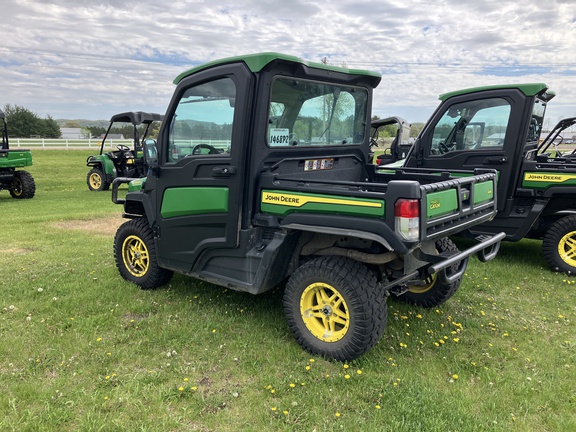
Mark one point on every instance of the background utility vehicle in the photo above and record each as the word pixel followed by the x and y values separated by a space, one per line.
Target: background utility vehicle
pixel 392 148
pixel 124 161
pixel 499 127
pixel 294 199
pixel 20 183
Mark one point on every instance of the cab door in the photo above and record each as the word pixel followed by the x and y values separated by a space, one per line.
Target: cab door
pixel 200 180
pixel 476 131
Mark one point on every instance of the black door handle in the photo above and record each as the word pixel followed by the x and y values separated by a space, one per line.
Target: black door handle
pixel 496 160
pixel 225 171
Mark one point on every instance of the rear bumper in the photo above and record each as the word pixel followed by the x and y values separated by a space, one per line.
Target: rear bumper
pixel 450 269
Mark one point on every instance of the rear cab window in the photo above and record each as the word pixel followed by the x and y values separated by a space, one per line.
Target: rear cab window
pixel 311 113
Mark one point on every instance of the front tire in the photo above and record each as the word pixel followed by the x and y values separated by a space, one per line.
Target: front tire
pixel 432 292
pixel 135 255
pixel 23 185
pixel 334 308
pixel 96 180
pixel 559 245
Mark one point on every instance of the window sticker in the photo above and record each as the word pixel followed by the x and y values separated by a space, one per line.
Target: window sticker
pixel 279 136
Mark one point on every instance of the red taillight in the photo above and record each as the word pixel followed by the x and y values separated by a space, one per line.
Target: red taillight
pixel 407 217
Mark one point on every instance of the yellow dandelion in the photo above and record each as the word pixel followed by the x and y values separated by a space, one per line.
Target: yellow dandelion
pixel 347 376
pixel 337 414
pixel 99 339
pixel 285 412
pixel 455 376
pixel 377 406
pixel 359 372
pixel 292 385
pixel 185 379
pixel 311 360
pixel 346 366
pixel 308 367
pixel 456 340
pixel 273 408
pixel 181 388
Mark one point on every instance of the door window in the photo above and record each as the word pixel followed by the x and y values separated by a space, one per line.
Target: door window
pixel 202 122
pixel 472 125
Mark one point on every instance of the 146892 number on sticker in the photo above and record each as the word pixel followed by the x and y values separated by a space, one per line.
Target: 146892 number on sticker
pixel 279 136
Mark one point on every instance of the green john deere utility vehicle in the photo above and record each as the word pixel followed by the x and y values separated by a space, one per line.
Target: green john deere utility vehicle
pixel 124 161
pixel 20 183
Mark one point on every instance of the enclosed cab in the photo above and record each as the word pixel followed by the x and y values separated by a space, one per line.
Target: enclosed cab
pixel 261 177
pixel 500 127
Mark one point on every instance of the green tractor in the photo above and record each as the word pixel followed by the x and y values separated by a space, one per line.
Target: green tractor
pixel 124 161
pixel 20 183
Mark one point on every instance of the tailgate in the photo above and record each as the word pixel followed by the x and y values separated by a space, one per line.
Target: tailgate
pixel 450 206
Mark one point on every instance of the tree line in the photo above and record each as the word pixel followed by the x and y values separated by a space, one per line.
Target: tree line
pixel 23 123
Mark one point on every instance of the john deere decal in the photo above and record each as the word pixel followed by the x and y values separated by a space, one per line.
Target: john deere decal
pixel 545 179
pixel 282 203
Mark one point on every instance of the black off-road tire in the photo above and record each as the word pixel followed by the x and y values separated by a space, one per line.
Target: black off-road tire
pixel 96 180
pixel 334 308
pixel 23 185
pixel 135 255
pixel 559 245
pixel 432 291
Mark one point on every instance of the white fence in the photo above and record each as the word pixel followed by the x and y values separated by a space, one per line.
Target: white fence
pixel 49 143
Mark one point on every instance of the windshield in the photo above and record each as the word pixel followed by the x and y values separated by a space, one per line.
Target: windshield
pixel 315 114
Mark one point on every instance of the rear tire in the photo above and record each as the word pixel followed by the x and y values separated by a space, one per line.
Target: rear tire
pixel 135 255
pixel 432 292
pixel 23 185
pixel 334 308
pixel 96 180
pixel 559 245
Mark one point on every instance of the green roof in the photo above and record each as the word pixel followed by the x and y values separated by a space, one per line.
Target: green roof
pixel 529 89
pixel 256 62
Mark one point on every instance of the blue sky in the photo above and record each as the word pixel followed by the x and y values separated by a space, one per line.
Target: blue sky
pixel 93 58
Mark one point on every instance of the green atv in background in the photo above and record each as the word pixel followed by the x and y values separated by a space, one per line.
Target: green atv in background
pixel 20 183
pixel 124 161
pixel 499 127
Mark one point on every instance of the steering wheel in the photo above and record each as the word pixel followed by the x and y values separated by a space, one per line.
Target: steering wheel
pixel 122 147
pixel 197 149
pixel 443 147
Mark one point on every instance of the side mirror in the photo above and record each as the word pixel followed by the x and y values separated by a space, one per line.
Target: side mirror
pixel 150 153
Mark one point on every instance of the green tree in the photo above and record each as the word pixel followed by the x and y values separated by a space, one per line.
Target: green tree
pixel 50 128
pixel 23 123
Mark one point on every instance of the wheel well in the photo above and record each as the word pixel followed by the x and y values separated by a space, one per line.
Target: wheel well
pixel 363 250
pixel 134 208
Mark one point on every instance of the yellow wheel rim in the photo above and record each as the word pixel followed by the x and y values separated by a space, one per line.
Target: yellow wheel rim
pixel 95 180
pixel 324 312
pixel 135 256
pixel 567 248
pixel 426 285
pixel 17 189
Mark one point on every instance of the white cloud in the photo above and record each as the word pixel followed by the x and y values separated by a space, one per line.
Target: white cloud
pixel 82 58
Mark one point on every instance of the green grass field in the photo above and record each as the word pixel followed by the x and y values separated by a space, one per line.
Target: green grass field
pixel 81 349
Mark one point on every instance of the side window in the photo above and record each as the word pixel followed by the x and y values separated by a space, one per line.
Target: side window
pixel 202 123
pixel 308 113
pixel 473 125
